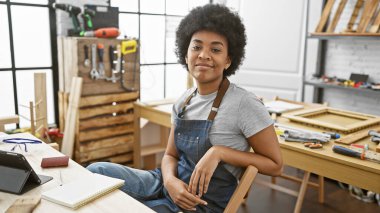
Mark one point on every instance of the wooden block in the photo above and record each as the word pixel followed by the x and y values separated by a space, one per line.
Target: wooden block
pixel 336 18
pixel 103 110
pixel 376 24
pixel 354 137
pixel 8 120
pixel 106 99
pixel 325 15
pixel 104 121
pixel 369 10
pixel 24 205
pixel 105 143
pixel 105 132
pixel 354 15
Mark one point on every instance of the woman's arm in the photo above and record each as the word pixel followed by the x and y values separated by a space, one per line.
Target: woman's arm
pixel 178 190
pixel 266 158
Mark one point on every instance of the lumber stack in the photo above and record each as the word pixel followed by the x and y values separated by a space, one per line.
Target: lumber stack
pixel 105 128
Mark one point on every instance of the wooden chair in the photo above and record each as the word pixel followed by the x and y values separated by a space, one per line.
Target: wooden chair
pixel 242 190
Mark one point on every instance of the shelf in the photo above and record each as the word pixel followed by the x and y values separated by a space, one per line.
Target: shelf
pixel 152 149
pixel 324 85
pixel 345 36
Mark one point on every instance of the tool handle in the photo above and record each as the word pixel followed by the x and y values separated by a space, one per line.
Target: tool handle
pixel 346 151
pixel 85 52
pixel 100 52
pixel 111 50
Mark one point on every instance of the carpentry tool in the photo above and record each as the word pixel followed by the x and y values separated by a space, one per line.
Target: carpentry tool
pixel 312 145
pixel 322 136
pixel 357 153
pixel 101 64
pixel 110 32
pixel 86 59
pixel 299 136
pixel 375 139
pixel 114 78
pixel 73 13
pixel 87 18
pixel 128 47
pixel 374 133
pixel 94 72
pixel 333 135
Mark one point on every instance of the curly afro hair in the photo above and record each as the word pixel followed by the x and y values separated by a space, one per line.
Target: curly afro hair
pixel 216 18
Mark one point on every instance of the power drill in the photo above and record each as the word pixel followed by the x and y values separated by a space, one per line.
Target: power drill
pixel 87 18
pixel 73 12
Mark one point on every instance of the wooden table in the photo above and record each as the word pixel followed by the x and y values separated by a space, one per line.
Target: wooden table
pixel 116 201
pixel 324 162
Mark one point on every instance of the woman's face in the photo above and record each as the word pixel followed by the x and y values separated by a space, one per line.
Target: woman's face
pixel 207 56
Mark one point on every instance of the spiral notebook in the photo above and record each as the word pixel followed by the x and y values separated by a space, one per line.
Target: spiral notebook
pixel 82 191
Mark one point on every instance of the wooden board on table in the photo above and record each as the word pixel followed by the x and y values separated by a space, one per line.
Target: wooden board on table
pixel 353 137
pixel 325 15
pixel 334 119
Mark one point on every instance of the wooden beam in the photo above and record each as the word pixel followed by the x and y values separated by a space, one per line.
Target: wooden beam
pixel 104 99
pixel 336 18
pixel 376 24
pixel 71 117
pixel 40 100
pixel 369 10
pixel 354 16
pixel 325 15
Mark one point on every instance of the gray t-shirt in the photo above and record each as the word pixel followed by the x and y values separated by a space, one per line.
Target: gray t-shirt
pixel 241 115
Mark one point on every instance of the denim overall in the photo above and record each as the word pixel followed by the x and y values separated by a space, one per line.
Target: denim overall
pixel 192 142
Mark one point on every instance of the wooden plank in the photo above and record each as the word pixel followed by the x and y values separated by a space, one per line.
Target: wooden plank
pixel 8 120
pixel 152 149
pixel 378 148
pixel 104 143
pixel 120 159
pixel 105 99
pixel 106 120
pixel 32 120
pixel 102 153
pixel 102 110
pixel 354 15
pixel 325 15
pixel 105 132
pixel 336 18
pixel 71 118
pixel 60 110
pixel 369 10
pixel 40 100
pixel 376 24
pixel 353 137
pixel 136 136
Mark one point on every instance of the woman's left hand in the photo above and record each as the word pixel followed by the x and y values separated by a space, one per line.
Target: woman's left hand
pixel 203 172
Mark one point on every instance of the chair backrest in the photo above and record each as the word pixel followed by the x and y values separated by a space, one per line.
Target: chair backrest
pixel 242 189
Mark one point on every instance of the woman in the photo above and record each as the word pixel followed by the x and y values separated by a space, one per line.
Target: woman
pixel 213 125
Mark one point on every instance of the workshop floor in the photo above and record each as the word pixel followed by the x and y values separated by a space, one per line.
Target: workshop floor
pixel 264 199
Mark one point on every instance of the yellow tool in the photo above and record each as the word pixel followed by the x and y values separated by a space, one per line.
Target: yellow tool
pixel 129 46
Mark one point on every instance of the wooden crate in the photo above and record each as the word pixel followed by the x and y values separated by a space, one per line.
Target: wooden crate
pixel 71 63
pixel 104 129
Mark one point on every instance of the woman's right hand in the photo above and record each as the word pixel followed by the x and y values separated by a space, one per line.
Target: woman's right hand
pixel 181 196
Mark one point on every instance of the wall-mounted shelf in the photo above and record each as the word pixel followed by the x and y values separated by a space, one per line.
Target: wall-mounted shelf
pixel 325 85
pixel 346 36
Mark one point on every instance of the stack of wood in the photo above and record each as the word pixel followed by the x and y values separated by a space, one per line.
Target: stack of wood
pixel 97 115
pixel 368 24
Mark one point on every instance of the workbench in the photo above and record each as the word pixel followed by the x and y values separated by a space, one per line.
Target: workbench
pixel 323 162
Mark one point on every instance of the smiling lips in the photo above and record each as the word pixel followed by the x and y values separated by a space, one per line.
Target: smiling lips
pixel 204 65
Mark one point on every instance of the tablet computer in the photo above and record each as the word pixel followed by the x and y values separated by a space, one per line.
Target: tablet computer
pixel 16 174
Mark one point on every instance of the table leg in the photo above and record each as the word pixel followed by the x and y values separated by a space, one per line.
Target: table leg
pixel 301 194
pixel 321 191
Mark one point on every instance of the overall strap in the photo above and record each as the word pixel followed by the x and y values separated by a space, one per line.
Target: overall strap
pixel 223 87
pixel 219 96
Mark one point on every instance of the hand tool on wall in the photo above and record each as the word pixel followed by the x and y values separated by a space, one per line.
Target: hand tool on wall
pixel 110 32
pixel 128 47
pixel 114 78
pixel 73 13
pixel 101 64
pixel 94 72
pixel 86 59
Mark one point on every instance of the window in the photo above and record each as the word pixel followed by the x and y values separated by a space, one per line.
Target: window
pixel 154 22
pixel 26 48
